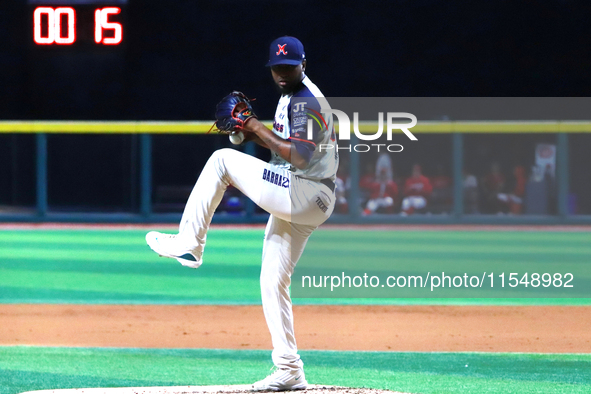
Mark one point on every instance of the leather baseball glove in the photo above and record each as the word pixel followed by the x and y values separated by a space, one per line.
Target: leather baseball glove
pixel 233 112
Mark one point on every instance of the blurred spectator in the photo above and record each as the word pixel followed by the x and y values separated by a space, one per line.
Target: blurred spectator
pixel 417 191
pixel 383 193
pixel 513 200
pixel 342 188
pixel 442 196
pixel 492 184
pixel 470 193
pixel 232 201
pixel 384 162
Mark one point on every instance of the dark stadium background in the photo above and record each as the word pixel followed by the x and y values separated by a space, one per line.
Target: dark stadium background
pixel 180 57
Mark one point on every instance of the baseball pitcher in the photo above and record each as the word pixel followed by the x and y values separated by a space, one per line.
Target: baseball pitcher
pixel 296 187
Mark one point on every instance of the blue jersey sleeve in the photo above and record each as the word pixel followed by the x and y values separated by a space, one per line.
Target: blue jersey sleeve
pixel 305 109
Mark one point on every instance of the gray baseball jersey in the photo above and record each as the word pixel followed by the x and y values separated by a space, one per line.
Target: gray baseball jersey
pixel 317 142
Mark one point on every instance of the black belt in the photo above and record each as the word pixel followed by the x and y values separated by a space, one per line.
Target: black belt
pixel 326 181
pixel 329 183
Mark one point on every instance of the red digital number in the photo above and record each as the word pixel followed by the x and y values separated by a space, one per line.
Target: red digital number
pixel 101 22
pixel 54 19
pixel 58 26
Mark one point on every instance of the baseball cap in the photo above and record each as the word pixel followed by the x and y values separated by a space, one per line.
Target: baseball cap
pixel 286 50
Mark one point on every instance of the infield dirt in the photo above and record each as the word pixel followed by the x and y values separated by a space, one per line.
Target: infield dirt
pixel 544 329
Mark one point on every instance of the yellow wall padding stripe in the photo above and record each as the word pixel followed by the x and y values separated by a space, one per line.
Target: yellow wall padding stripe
pixel 84 127
pixel 202 127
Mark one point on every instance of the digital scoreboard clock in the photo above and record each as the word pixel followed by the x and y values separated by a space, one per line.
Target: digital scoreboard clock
pixel 71 22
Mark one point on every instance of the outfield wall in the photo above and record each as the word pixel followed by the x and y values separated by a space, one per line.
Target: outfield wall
pixel 42 186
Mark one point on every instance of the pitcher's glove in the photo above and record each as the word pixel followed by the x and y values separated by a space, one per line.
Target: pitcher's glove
pixel 233 112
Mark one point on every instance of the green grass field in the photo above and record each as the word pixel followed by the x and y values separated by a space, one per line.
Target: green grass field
pixel 116 267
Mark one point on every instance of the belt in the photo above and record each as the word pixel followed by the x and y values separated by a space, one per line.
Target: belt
pixel 326 181
pixel 329 183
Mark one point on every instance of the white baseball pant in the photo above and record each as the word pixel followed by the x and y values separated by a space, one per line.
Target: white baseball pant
pixel 376 203
pixel 296 209
pixel 417 202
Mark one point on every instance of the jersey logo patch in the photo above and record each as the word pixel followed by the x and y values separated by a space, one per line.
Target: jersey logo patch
pixel 321 204
pixel 275 179
pixel 278 126
pixel 281 50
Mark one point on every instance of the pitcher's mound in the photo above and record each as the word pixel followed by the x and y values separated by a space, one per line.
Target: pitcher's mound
pixel 244 388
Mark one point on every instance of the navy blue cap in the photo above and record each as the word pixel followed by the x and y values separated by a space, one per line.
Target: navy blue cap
pixel 286 50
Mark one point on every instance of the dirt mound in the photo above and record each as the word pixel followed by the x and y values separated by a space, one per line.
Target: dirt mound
pixel 312 389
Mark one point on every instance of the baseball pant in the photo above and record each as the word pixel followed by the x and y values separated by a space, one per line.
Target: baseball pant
pixel 297 207
pixel 416 202
pixel 376 203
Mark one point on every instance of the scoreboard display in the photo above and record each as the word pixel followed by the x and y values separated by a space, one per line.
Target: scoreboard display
pixel 58 26
pixel 61 23
pixel 76 60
